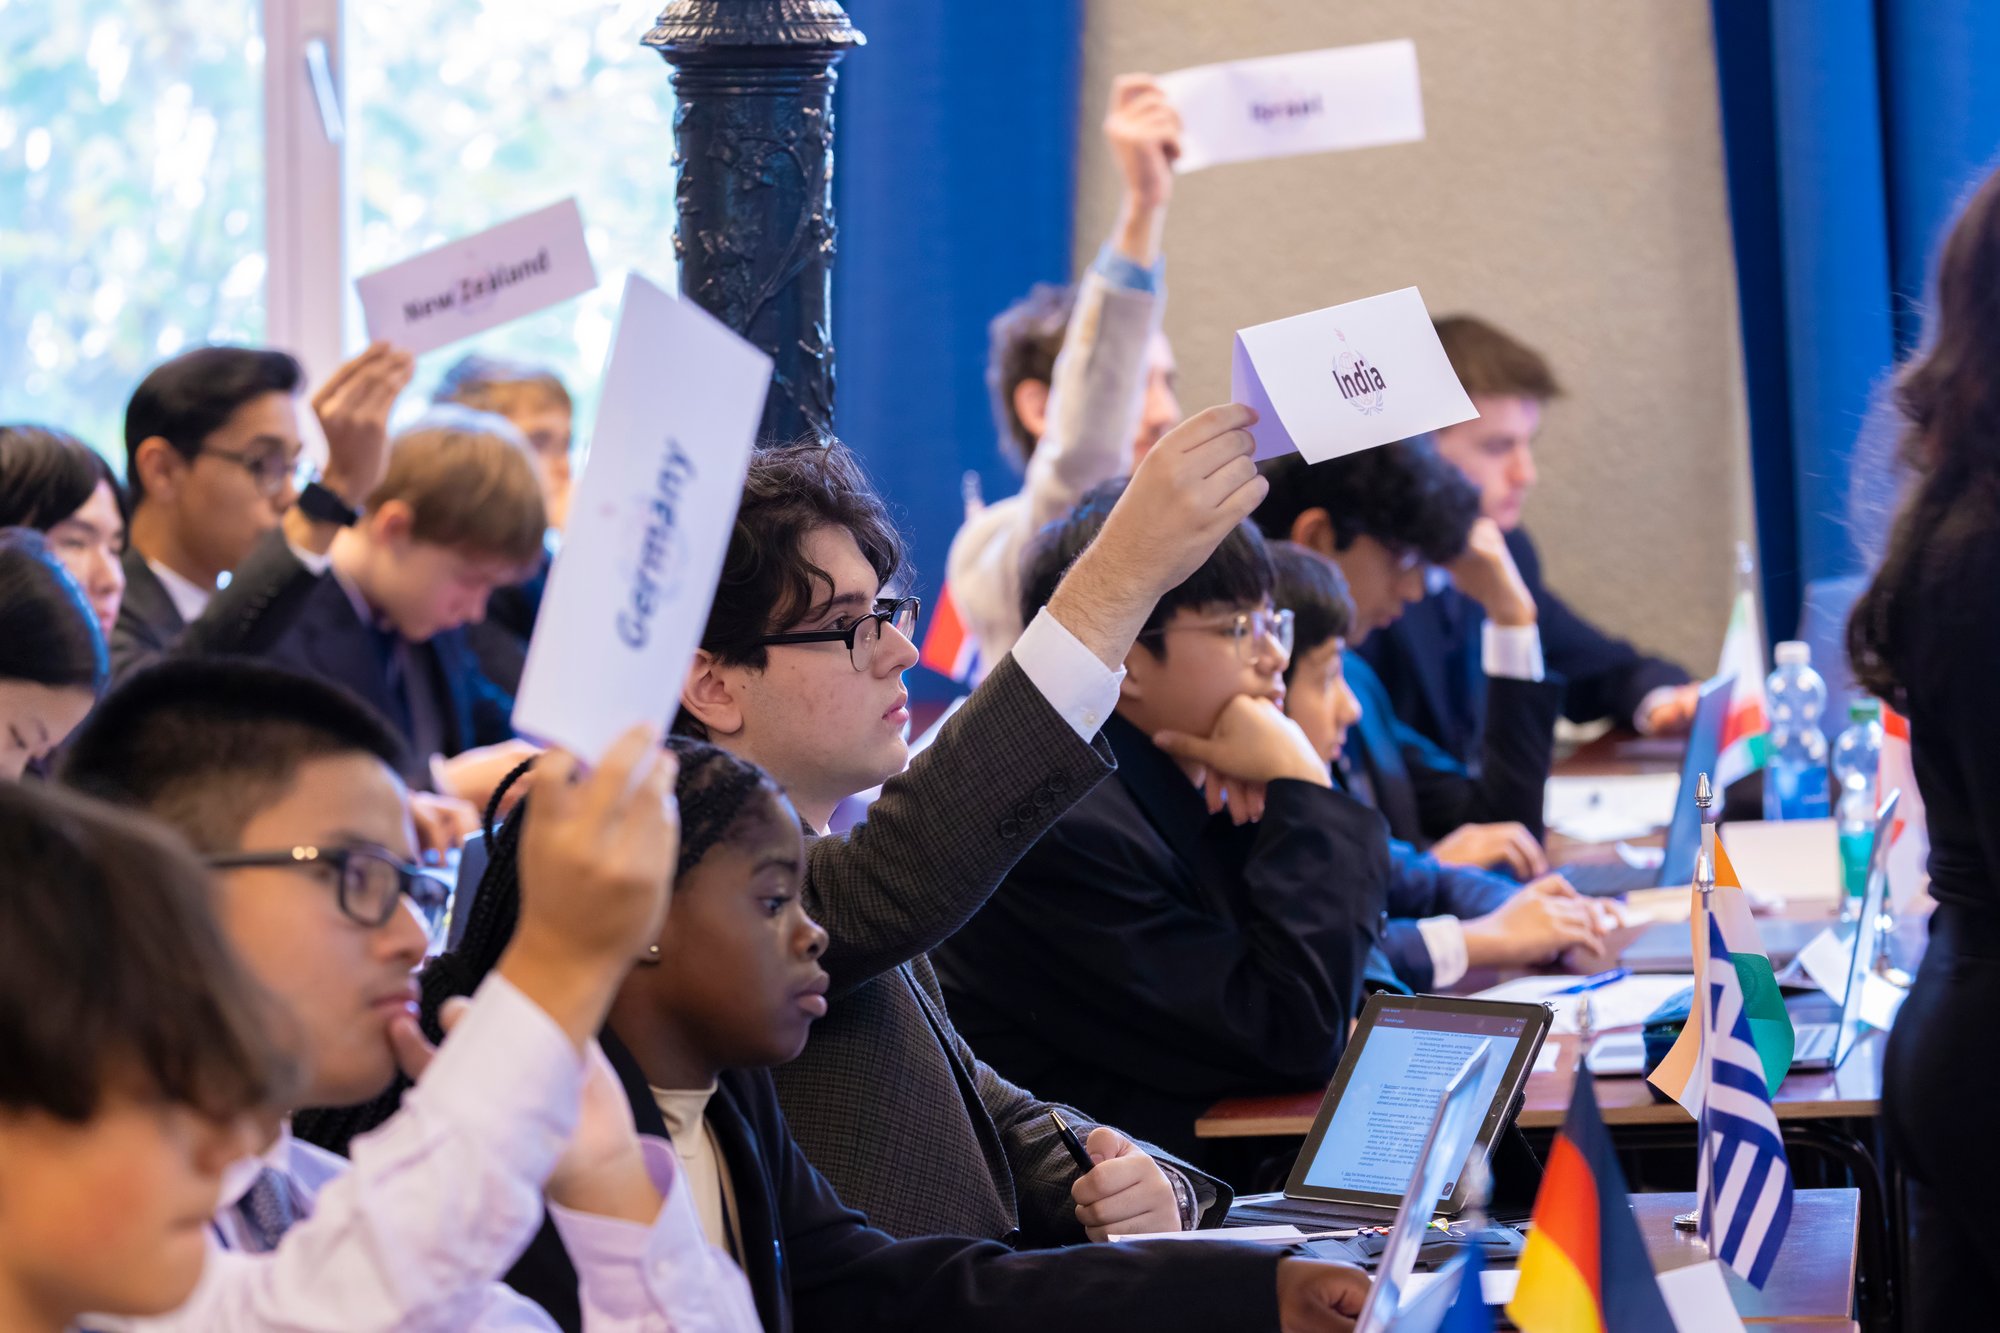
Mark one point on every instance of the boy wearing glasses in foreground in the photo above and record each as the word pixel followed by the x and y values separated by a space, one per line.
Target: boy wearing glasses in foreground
pixel 1199 925
pixel 287 787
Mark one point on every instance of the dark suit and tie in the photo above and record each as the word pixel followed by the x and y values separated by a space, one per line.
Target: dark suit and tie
pixel 1424 792
pixel 1429 663
pixel 1145 958
pixel 263 598
pixel 433 692
pixel 500 641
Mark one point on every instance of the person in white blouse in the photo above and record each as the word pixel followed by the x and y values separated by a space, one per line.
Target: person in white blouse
pixel 288 787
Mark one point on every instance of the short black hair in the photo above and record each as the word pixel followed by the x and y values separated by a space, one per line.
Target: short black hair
pixel 1404 495
pixel 1023 342
pixel 114 971
pixel 187 399
pixel 204 744
pixel 48 633
pixel 46 475
pixel 1237 573
pixel 767 583
pixel 1313 589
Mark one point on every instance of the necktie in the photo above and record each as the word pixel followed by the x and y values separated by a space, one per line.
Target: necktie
pixel 269 1210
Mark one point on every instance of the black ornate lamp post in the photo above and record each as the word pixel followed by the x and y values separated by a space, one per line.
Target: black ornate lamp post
pixel 753 145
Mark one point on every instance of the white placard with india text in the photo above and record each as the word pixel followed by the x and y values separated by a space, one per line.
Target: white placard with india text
pixel 1346 378
pixel 1304 102
pixel 649 525
pixel 479 282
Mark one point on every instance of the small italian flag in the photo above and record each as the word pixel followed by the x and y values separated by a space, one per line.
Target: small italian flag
pixel 1680 1074
pixel 1746 732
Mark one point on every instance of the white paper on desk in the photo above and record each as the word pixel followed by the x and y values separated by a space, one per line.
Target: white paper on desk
pixel 1881 1000
pixel 1624 1003
pixel 1698 1298
pixel 1611 807
pixel 1305 102
pixel 1271 1235
pixel 1796 860
pixel 479 282
pixel 1496 1285
pixel 1346 378
pixel 1825 958
pixel 649 524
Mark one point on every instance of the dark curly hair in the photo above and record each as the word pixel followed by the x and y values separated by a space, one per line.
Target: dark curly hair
pixel 767 583
pixel 1313 589
pixel 1404 495
pixel 1023 342
pixel 1238 573
pixel 714 789
pixel 1950 400
pixel 48 474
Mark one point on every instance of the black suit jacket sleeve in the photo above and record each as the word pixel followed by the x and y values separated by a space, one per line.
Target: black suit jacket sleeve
pixel 1422 886
pixel 264 597
pixel 940 838
pixel 1517 748
pixel 1607 677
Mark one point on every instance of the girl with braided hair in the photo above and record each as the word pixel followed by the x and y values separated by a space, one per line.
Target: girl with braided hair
pixel 731 988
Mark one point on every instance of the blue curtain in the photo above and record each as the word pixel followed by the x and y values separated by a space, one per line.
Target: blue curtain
pixel 954 187
pixel 1852 128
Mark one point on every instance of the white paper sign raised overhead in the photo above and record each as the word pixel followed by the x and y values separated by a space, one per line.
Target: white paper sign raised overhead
pixel 1346 378
pixel 1306 102
pixel 479 282
pixel 649 525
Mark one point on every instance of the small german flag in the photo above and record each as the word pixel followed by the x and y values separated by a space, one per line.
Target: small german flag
pixel 1584 1268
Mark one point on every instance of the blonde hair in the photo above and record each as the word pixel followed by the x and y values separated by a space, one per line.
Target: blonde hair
pixel 469 483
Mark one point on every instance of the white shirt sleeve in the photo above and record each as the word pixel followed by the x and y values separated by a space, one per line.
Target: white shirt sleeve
pixel 1511 652
pixel 666 1276
pixel 436 1204
pixel 1444 938
pixel 1081 688
pixel 1641 718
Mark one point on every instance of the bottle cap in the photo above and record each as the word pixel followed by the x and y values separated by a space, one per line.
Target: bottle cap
pixel 1793 652
pixel 1864 710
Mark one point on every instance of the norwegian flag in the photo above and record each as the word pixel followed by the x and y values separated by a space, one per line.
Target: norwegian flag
pixel 949 648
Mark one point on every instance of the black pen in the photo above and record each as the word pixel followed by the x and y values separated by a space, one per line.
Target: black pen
pixel 1075 1145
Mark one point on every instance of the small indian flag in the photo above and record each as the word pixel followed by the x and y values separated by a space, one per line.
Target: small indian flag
pixel 1680 1074
pixel 1746 731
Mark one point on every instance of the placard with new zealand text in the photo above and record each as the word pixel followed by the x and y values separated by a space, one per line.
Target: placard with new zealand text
pixel 479 282
pixel 1303 102
pixel 1346 378
pixel 649 524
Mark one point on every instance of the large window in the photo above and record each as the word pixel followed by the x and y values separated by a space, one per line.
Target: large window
pixel 151 157
pixel 131 198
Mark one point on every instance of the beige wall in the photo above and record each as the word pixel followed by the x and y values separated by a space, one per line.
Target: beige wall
pixel 1570 188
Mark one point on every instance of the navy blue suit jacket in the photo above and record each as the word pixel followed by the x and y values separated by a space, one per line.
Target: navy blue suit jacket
pixel 329 640
pixel 816 1266
pixel 1429 662
pixel 1145 958
pixel 1424 792
pixel 1420 885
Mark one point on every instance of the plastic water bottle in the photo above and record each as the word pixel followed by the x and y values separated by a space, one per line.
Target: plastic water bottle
pixel 1857 765
pixel 1795 785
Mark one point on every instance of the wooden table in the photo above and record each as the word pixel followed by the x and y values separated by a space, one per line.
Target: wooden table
pixel 1813 1278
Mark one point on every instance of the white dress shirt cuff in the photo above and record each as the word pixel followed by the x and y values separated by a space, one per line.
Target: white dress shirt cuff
pixel 633 1274
pixel 1079 687
pixel 506 1069
pixel 1642 716
pixel 1444 937
pixel 1510 652
pixel 316 565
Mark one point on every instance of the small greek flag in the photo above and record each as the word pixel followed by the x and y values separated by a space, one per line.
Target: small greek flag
pixel 1745 1180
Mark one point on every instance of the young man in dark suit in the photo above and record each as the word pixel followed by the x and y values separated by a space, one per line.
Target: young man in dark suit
pixel 212 452
pixel 1197 927
pixel 457 513
pixel 1385 517
pixel 800 670
pixel 1429 661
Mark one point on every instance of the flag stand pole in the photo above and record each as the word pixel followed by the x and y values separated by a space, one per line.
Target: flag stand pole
pixel 1704 883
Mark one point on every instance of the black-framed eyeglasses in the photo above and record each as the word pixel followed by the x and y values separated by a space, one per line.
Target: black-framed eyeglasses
pixel 862 636
pixel 1250 630
pixel 371 881
pixel 270 471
